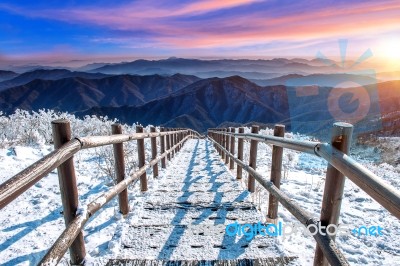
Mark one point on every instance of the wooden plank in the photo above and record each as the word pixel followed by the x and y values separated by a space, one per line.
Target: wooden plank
pixel 281 261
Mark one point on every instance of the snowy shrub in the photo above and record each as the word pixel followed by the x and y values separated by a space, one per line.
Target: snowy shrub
pixel 26 128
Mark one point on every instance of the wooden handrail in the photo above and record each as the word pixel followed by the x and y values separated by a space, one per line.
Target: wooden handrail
pixel 297 145
pixel 96 141
pixel 57 251
pixel 19 183
pixel 328 246
pixel 340 165
pixel 61 158
pixel 387 196
pixel 223 141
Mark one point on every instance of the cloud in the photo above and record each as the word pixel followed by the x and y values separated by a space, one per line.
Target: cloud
pixel 211 5
pixel 235 23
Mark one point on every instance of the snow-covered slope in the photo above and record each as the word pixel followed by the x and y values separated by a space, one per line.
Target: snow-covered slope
pixel 31 224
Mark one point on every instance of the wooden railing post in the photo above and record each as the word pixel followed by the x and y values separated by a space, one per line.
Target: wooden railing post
pixel 253 160
pixel 119 167
pixel 182 137
pixel 232 149
pixel 223 143
pixel 69 191
pixel 168 138
pixel 276 172
pixel 142 159
pixel 172 136
pixel 218 136
pixel 162 148
pixel 216 139
pixel 173 142
pixel 240 154
pixel 227 143
pixel 177 140
pixel 213 136
pixel 182 134
pixel 154 151
pixel 334 185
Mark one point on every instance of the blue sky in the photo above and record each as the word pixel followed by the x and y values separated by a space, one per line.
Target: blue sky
pixel 54 31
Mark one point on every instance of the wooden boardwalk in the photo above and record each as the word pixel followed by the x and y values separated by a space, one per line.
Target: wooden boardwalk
pixel 182 219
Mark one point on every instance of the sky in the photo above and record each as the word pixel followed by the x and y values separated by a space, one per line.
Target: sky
pixel 54 31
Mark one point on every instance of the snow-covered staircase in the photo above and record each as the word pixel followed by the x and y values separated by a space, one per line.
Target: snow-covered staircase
pixel 181 220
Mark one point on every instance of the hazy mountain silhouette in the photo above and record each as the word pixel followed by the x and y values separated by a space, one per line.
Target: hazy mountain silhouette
pixel 212 68
pixel 389 96
pixel 246 75
pixel 74 94
pixel 234 100
pixel 6 75
pixel 207 103
pixel 326 80
pixel 188 101
pixel 47 74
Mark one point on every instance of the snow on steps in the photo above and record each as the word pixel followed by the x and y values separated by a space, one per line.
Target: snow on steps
pixel 182 220
pixel 238 262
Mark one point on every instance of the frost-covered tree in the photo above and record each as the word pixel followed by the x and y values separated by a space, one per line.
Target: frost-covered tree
pixel 26 128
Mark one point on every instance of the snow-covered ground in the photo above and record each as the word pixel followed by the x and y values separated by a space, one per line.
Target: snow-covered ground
pixel 303 179
pixel 31 224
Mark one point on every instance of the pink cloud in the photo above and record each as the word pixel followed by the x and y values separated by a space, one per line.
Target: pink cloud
pixel 211 5
pixel 164 28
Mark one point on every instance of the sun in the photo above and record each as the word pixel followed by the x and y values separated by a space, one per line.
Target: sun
pixel 389 51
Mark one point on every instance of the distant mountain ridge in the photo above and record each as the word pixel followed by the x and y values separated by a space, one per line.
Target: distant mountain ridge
pixel 235 100
pixel 47 74
pixel 207 103
pixel 212 68
pixel 6 75
pixel 76 93
pixel 188 101
pixel 325 80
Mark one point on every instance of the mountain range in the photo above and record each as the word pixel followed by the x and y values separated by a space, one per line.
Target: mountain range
pixel 77 94
pixel 6 75
pixel 221 68
pixel 208 103
pixel 46 74
pixel 182 100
